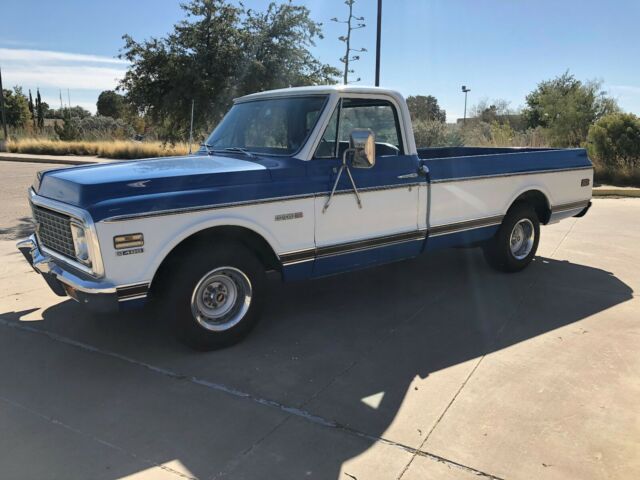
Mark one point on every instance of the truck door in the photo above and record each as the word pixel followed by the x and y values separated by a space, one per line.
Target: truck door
pixel 385 227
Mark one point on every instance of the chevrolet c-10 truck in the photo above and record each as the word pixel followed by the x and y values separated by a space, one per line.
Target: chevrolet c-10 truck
pixel 309 182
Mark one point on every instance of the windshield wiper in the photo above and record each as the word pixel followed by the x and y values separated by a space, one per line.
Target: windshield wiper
pixel 211 149
pixel 241 150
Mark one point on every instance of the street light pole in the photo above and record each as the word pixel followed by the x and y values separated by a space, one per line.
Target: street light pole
pixel 465 90
pixel 378 43
pixel 4 115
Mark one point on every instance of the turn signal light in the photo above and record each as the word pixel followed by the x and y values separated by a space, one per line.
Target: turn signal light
pixel 129 240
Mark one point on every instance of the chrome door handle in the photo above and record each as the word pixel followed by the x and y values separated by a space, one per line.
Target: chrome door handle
pixel 407 175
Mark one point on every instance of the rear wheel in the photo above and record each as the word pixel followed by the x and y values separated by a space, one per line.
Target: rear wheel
pixel 216 295
pixel 516 242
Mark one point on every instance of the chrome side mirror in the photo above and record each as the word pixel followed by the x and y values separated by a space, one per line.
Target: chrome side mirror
pixel 363 145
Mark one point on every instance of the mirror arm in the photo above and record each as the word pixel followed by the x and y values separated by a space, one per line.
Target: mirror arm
pixel 343 167
pixel 355 189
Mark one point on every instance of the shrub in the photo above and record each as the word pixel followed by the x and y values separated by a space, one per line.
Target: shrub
pixel 70 129
pixel 483 134
pixel 614 146
pixel 614 140
pixel 104 128
pixel 429 133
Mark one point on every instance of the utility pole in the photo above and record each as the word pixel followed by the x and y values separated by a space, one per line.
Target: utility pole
pixel 61 105
pixel 465 90
pixel 191 127
pixel 347 40
pixel 379 25
pixel 4 115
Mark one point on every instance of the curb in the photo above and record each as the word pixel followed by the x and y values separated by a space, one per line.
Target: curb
pixel 616 192
pixel 61 161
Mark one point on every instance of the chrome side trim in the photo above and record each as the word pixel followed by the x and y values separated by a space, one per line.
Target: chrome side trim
pixel 300 256
pixel 466 225
pixel 515 174
pixel 569 206
pixel 97 269
pixel 132 292
pixel 242 203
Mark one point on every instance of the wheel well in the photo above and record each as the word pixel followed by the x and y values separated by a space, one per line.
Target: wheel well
pixel 245 236
pixel 538 201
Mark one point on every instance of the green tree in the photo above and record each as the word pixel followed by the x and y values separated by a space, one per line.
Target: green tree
pixel 276 50
pixel 39 110
pixel 426 108
pixel 17 107
pixel 566 108
pixel 220 51
pixel 32 110
pixel 110 104
pixel 614 140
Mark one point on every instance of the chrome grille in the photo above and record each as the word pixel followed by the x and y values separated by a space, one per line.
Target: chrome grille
pixel 54 231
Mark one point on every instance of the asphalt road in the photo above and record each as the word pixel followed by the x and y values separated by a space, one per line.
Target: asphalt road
pixel 432 368
pixel 15 214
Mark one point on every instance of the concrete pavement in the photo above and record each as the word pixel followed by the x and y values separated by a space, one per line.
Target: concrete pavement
pixel 432 368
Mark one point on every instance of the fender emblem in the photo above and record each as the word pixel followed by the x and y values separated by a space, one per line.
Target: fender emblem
pixel 133 251
pixel 289 216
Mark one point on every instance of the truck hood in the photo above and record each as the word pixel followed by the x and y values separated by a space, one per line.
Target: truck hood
pixel 155 184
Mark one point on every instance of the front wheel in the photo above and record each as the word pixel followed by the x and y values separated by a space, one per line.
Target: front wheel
pixel 217 295
pixel 516 242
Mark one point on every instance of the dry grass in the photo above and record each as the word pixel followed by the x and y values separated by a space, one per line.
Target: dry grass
pixel 118 149
pixel 619 176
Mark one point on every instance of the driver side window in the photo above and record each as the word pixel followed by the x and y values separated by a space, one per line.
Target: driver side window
pixel 380 116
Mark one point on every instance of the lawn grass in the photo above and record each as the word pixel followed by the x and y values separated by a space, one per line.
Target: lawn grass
pixel 117 149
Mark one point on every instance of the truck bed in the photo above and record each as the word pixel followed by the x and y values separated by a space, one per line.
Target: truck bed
pixel 450 163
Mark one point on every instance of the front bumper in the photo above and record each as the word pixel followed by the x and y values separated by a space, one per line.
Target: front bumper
pixel 99 296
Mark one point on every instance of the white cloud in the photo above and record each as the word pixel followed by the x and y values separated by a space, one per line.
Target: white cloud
pixel 23 56
pixel 48 69
pixel 66 77
pixel 625 89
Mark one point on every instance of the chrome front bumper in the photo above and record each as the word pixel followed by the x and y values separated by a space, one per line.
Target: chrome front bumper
pixel 97 295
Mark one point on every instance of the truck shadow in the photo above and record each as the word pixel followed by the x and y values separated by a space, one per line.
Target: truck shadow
pixel 22 229
pixel 356 350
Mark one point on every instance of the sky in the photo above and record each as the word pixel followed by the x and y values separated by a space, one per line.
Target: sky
pixel 497 48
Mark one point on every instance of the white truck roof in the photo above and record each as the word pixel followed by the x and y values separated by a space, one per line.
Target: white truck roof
pixel 320 89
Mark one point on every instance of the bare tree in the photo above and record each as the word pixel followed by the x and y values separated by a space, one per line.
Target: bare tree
pixel 347 40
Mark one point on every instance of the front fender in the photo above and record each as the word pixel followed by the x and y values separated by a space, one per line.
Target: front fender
pixel 163 233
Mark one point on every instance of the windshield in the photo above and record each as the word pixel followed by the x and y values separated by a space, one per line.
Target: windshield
pixel 275 126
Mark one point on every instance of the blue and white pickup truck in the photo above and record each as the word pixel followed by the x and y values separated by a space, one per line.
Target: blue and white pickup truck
pixel 309 182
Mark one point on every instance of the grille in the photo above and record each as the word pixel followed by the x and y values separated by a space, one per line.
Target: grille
pixel 54 231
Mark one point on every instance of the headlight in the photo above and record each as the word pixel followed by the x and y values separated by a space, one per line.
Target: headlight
pixel 80 243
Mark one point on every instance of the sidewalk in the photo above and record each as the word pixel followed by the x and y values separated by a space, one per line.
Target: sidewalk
pixel 599 191
pixel 59 159
pixel 611 191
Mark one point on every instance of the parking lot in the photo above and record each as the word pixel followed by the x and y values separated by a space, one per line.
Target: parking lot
pixel 432 368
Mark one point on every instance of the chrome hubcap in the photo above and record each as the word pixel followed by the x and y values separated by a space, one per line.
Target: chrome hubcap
pixel 221 298
pixel 522 238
